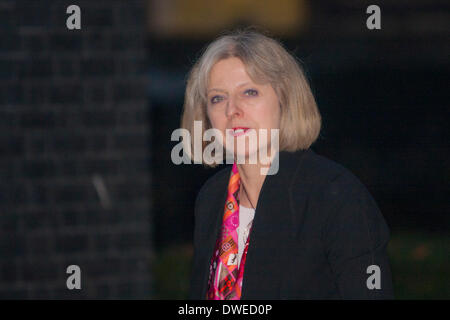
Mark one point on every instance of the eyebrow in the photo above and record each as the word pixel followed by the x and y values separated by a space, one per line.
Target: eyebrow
pixel 221 90
pixel 215 89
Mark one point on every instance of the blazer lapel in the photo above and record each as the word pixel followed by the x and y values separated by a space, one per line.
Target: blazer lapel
pixel 272 227
pixel 213 226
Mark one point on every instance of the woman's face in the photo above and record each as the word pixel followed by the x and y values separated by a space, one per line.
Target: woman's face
pixel 235 102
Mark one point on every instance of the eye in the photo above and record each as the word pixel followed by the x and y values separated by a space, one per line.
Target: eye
pixel 215 99
pixel 251 92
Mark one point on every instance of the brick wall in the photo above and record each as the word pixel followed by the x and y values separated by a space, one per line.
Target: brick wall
pixel 74 141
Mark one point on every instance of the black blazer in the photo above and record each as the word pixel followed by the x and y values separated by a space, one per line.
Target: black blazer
pixel 316 231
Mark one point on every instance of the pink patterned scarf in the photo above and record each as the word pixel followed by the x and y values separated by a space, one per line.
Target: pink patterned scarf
pixel 225 276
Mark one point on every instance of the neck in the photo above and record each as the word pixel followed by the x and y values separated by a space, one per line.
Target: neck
pixel 252 180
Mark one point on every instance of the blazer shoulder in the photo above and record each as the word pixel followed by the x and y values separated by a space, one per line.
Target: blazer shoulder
pixel 332 179
pixel 318 167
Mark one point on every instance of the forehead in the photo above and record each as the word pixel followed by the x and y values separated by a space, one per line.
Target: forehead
pixel 228 70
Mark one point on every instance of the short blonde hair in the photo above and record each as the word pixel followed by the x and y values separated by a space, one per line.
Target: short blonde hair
pixel 266 61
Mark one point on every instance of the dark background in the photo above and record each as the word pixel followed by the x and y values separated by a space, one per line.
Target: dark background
pixel 86 117
pixel 382 95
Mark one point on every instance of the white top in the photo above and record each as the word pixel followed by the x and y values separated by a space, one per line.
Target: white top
pixel 246 216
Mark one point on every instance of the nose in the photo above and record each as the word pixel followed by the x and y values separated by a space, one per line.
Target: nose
pixel 233 107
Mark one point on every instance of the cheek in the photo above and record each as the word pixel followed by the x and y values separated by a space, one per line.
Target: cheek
pixel 277 118
pixel 276 113
pixel 208 114
pixel 272 115
pixel 215 120
pixel 211 117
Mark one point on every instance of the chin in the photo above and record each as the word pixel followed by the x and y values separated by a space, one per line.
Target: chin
pixel 244 157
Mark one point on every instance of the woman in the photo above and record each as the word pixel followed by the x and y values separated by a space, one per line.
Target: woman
pixel 309 231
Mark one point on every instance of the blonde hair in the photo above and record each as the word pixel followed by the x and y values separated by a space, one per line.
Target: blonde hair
pixel 266 61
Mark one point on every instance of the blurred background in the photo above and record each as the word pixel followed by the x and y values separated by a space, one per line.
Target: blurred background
pixel 86 118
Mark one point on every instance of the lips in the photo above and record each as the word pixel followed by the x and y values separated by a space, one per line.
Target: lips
pixel 239 131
